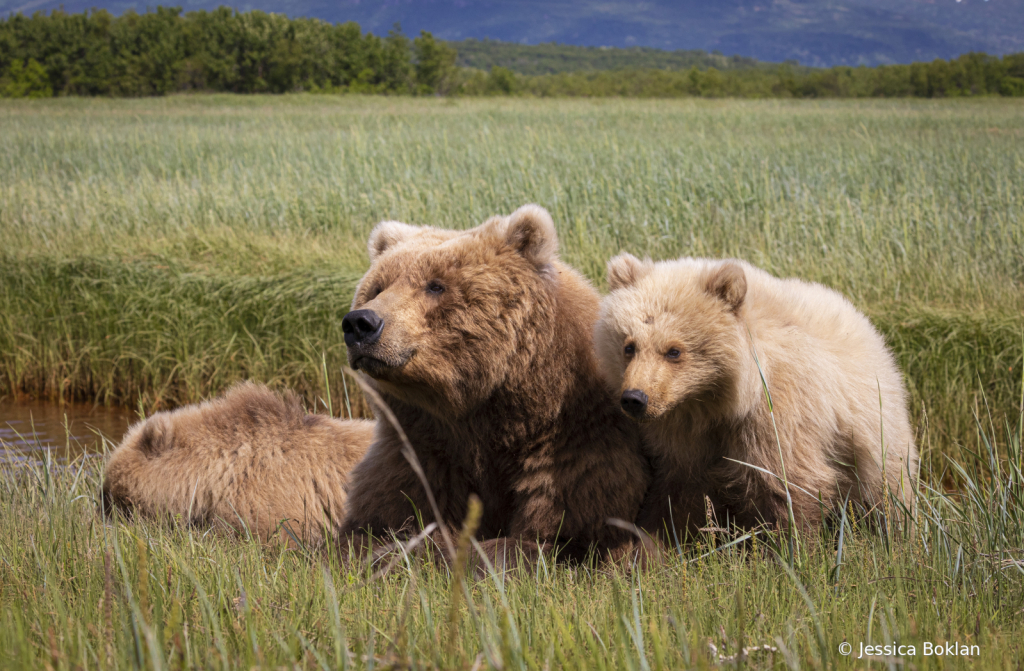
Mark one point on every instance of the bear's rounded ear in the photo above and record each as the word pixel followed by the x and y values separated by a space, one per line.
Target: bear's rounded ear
pixel 388 234
pixel 625 270
pixel 531 232
pixel 156 437
pixel 728 282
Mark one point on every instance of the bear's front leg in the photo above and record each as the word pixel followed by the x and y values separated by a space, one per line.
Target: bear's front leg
pixel 385 502
pixel 582 506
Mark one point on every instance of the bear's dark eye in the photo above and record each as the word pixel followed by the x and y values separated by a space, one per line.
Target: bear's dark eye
pixel 672 353
pixel 630 349
pixel 374 291
pixel 435 287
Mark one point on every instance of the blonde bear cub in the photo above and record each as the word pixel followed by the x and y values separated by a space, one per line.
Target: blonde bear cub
pixel 677 342
pixel 250 460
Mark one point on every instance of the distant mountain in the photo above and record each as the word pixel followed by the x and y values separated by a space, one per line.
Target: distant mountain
pixel 813 32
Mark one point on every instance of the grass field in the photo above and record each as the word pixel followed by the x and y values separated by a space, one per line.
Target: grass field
pixel 80 593
pixel 154 251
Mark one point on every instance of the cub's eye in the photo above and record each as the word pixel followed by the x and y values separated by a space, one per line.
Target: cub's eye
pixel 374 291
pixel 672 353
pixel 630 349
pixel 435 287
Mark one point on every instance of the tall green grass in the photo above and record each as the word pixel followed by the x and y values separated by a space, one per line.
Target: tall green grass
pixel 158 250
pixel 162 249
pixel 78 592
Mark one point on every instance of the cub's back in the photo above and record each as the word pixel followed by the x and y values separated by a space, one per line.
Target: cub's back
pixel 247 460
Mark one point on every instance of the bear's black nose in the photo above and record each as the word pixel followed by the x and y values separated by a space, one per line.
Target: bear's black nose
pixel 362 327
pixel 634 402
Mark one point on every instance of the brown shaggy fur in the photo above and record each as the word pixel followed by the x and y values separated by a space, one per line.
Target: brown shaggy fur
pixel 247 458
pixel 684 332
pixel 486 359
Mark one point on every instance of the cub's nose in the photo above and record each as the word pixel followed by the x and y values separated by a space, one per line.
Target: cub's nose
pixel 362 327
pixel 634 402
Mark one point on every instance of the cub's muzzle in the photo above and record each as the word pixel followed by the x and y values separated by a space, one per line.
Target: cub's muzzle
pixel 362 327
pixel 634 403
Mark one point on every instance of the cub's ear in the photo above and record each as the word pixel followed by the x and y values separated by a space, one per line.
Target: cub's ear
pixel 729 283
pixel 388 234
pixel 625 270
pixel 156 436
pixel 531 232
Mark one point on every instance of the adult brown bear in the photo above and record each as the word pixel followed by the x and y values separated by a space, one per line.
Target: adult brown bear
pixel 480 342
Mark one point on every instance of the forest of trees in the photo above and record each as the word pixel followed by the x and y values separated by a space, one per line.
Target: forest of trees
pixel 166 51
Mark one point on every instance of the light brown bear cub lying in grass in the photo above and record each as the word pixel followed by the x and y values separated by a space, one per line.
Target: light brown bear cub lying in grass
pixel 677 342
pixel 250 460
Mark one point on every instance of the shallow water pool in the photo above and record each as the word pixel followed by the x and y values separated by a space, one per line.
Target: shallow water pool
pixel 29 429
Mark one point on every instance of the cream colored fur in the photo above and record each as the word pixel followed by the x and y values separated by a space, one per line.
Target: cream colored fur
pixel 839 401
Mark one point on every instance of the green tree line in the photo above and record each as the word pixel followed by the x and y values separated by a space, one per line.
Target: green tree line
pixel 167 51
pixel 968 75
pixel 551 58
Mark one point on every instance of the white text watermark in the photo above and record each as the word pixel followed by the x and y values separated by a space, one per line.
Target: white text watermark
pixel 895 649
